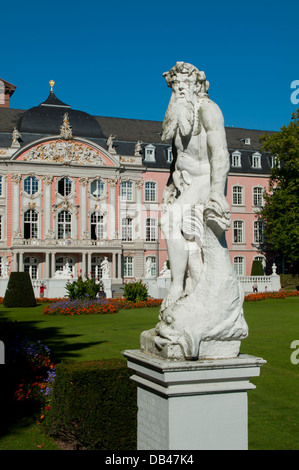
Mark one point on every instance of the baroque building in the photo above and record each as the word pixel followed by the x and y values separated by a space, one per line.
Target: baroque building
pixel 76 189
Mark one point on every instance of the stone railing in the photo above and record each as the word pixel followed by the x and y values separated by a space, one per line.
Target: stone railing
pixel 72 243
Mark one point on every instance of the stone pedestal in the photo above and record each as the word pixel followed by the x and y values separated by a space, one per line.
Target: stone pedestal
pixel 192 405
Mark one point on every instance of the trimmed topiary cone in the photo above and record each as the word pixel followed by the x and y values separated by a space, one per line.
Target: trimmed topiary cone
pixel 19 291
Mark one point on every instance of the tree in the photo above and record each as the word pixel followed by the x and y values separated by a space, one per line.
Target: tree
pixel 281 210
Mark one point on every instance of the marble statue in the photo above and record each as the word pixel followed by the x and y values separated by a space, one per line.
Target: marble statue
pixel 105 267
pixel 148 268
pixel 202 314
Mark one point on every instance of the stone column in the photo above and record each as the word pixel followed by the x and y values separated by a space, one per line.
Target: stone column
pixel 112 208
pixel 88 269
pixel 83 205
pixel 139 186
pixel 16 203
pixel 47 265
pixel 21 261
pixel 192 405
pixel 84 253
pixel 119 266
pixel 47 204
pixel 53 263
pixel 114 265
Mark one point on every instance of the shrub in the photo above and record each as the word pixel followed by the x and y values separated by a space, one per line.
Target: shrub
pixel 135 291
pixel 83 289
pixel 257 268
pixel 93 405
pixel 19 291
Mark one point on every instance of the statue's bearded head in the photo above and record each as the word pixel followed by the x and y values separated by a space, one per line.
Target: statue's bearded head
pixel 188 84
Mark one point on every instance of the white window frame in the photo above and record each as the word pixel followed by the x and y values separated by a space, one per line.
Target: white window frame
pixel 31 265
pixel 258 232
pixel 127 229
pixel 150 191
pixel 256 160
pixel 97 220
pixel 238 231
pixel 236 159
pixel 100 187
pixel 150 229
pixel 128 266
pixel 238 195
pixel 239 265
pixel 67 186
pixel 126 191
pixel 59 265
pixel 33 222
pixel 150 153
pixel 169 155
pixel 67 232
pixel 33 186
pixel 257 196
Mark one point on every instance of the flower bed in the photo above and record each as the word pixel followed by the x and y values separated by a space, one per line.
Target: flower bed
pixel 98 306
pixel 270 295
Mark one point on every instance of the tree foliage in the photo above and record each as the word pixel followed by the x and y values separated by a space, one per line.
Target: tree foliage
pixel 281 210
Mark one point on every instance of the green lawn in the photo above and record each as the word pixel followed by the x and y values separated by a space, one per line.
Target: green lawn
pixel 273 325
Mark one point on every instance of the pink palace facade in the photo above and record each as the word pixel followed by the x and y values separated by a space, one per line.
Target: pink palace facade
pixel 76 188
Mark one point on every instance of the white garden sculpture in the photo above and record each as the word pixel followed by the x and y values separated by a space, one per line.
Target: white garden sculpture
pixel 202 315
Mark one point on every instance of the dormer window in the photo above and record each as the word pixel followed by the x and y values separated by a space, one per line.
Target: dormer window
pixel 247 141
pixel 149 152
pixel 169 155
pixel 236 159
pixel 256 160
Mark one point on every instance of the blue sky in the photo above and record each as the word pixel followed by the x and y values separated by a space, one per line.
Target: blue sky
pixel 107 58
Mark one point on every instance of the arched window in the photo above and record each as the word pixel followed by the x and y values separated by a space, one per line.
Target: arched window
pixel 97 226
pixel 239 265
pixel 31 185
pixel 64 225
pixel 30 224
pixel 258 232
pixel 64 186
pixel 126 191
pixel 258 196
pixel 31 266
pixel 128 266
pixel 150 230
pixel 63 263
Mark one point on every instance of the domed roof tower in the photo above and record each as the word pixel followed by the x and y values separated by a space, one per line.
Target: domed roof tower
pixel 47 118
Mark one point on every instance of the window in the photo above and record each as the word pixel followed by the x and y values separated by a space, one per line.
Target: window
pixel 127 230
pixel 258 232
pixel 169 155
pixel 30 224
pixel 31 185
pixel 238 195
pixel 63 263
pixel 150 191
pixel 151 230
pixel 97 226
pixel 97 188
pixel 30 266
pixel 128 266
pixel 126 191
pixel 236 159
pixel 150 153
pixel 239 265
pixel 96 271
pixel 256 160
pixel 238 231
pixel 151 262
pixel 64 225
pixel 1 228
pixel 64 186
pixel 258 196
pixel 1 186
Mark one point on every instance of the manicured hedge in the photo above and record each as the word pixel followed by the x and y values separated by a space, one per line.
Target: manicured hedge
pixel 19 291
pixel 94 405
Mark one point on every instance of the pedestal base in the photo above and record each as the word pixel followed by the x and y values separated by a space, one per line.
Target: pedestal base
pixel 192 405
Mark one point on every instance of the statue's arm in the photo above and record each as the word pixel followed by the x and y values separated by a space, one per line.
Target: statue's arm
pixel 213 122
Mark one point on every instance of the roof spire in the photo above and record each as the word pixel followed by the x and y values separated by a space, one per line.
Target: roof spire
pixel 51 83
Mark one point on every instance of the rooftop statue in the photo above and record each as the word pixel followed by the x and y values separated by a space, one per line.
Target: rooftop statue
pixel 202 315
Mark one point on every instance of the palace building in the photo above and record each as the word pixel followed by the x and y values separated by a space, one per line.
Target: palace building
pixel 77 188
